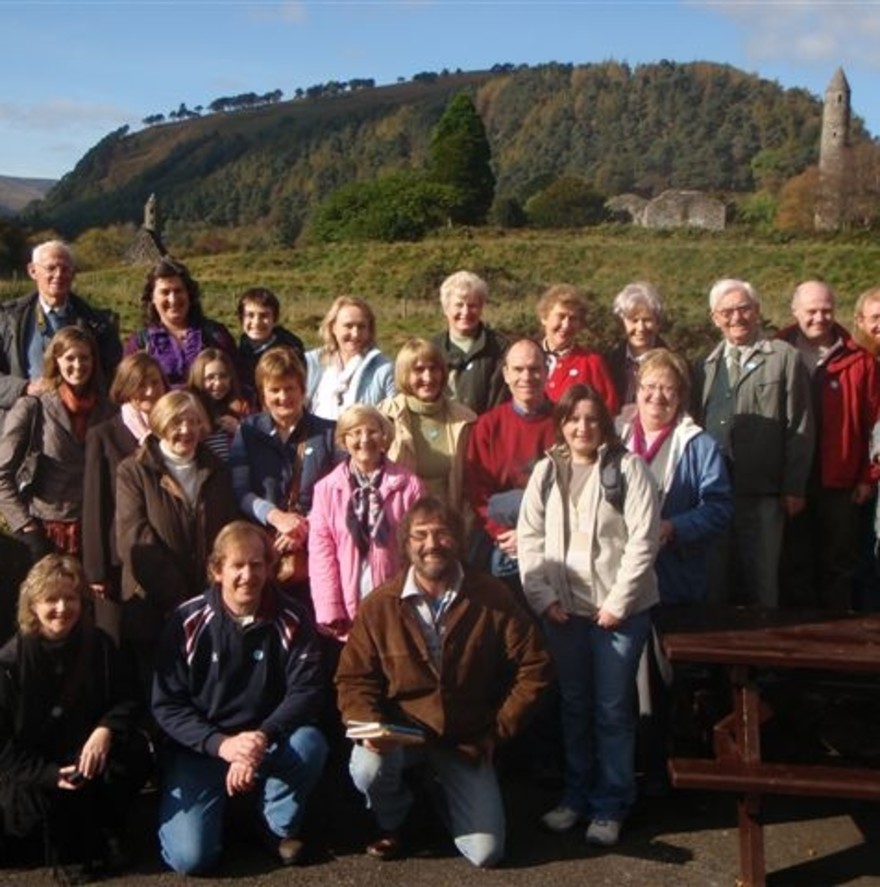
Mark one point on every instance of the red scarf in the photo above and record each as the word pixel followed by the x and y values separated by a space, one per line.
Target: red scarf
pixel 640 445
pixel 79 408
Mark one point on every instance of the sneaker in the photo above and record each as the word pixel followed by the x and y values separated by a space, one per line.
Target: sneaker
pixel 603 832
pixel 561 819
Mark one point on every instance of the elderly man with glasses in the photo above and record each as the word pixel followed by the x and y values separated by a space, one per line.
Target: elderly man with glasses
pixel 28 323
pixel 756 404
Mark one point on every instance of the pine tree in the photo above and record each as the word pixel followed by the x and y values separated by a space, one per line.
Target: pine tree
pixel 460 156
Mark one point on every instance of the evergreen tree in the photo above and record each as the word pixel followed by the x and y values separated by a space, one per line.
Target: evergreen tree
pixel 460 157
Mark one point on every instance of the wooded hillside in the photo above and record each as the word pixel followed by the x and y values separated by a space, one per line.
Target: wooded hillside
pixel 697 125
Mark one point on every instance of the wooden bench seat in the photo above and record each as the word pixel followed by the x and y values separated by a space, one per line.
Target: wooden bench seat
pixel 780 779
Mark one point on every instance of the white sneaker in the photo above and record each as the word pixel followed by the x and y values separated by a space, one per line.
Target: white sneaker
pixel 603 832
pixel 561 819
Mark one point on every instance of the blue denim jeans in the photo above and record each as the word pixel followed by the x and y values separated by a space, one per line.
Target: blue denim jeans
pixel 473 797
pixel 596 669
pixel 194 796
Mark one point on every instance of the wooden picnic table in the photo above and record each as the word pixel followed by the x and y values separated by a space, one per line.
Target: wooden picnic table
pixel 747 641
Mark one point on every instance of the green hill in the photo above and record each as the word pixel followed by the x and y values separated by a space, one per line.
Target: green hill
pixel 696 125
pixel 17 193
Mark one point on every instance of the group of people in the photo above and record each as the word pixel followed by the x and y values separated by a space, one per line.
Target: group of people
pixel 428 543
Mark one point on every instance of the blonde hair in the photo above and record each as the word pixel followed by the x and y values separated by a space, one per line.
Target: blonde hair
pixel 864 339
pixel 359 414
pixel 664 359
pixel 278 363
pixel 171 406
pixel 562 294
pixel 235 533
pixel 412 351
pixel 325 330
pixel 44 578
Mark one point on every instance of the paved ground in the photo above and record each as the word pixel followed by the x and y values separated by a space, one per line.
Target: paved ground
pixel 687 839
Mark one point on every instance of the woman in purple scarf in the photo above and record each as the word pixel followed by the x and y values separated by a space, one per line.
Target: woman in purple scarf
pixel 175 329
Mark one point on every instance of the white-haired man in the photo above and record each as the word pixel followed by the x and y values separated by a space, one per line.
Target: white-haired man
pixel 28 323
pixel 756 404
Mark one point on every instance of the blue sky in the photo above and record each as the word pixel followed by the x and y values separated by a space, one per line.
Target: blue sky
pixel 75 70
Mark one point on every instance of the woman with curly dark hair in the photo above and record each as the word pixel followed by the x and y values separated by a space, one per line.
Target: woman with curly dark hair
pixel 175 328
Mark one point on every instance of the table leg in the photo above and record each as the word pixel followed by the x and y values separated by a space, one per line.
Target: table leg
pixel 747 727
pixel 751 841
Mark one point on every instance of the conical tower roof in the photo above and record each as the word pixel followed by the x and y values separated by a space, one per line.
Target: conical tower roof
pixel 838 83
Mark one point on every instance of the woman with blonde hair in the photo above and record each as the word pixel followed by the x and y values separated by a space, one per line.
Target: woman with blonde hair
pixel 356 511
pixel 348 368
pixel 49 432
pixel 173 496
pixel 430 429
pixel 696 507
pixel 71 757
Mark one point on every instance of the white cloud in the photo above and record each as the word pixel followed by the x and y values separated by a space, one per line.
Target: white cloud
pixel 803 32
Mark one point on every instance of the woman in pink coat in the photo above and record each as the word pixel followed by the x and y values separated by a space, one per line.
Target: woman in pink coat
pixel 354 518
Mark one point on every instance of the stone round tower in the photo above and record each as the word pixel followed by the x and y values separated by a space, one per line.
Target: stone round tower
pixel 834 154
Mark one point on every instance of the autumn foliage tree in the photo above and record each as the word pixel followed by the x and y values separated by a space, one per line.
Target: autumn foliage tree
pixel 460 157
pixel 797 201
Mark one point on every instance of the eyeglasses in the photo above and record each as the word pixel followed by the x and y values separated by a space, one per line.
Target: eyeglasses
pixel 56 267
pixel 363 434
pixel 443 536
pixel 745 309
pixel 652 388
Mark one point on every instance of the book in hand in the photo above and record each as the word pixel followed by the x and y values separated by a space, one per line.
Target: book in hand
pixel 402 733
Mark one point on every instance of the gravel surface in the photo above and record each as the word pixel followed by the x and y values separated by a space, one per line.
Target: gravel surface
pixel 689 838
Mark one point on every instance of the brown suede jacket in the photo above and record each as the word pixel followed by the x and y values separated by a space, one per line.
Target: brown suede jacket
pixel 493 671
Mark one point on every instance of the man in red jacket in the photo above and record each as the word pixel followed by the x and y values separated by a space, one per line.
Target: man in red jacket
pixel 820 554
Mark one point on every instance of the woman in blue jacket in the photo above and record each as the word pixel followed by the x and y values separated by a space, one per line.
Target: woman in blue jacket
pixel 348 368
pixel 696 507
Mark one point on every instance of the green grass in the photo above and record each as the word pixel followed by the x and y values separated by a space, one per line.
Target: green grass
pixel 401 281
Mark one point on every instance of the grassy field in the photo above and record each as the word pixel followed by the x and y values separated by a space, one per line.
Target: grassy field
pixel 401 280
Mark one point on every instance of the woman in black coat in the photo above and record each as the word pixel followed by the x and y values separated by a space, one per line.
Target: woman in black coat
pixel 71 758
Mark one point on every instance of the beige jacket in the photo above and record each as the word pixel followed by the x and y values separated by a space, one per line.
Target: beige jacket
pixel 403 451
pixel 624 544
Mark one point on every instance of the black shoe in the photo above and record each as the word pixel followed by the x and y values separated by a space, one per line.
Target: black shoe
pixel 388 846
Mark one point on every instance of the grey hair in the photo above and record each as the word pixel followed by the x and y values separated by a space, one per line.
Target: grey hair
pixel 729 285
pixel 638 295
pixel 463 283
